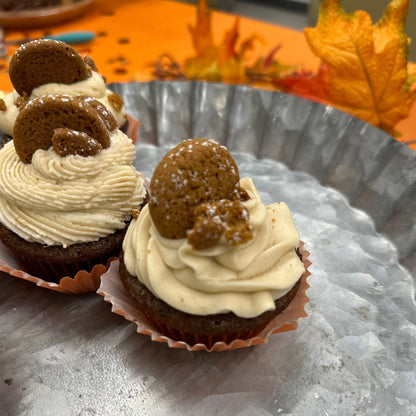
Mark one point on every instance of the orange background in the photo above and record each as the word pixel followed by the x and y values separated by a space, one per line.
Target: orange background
pixel 133 34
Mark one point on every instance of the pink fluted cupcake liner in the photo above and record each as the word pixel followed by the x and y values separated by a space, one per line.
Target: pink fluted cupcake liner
pixel 82 282
pixel 132 128
pixel 112 289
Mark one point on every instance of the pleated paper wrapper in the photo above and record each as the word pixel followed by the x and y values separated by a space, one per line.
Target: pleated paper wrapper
pixel 82 282
pixel 114 292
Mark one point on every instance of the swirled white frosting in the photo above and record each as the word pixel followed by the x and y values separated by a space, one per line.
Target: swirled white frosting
pixel 75 199
pixel 93 86
pixel 244 279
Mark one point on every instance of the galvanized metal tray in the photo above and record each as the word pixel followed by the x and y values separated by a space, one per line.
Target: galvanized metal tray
pixel 352 191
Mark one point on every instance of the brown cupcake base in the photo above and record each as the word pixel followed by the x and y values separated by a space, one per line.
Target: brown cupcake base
pixel 54 262
pixel 125 126
pixel 194 329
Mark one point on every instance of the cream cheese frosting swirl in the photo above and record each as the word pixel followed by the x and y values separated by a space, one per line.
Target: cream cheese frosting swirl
pixel 244 279
pixel 93 86
pixel 75 199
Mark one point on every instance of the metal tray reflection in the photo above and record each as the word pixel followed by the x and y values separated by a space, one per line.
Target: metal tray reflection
pixel 351 189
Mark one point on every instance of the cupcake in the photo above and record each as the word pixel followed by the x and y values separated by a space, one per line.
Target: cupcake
pixel 206 261
pixel 67 186
pixel 44 67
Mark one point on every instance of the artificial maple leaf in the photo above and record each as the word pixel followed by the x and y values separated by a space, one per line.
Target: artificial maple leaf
pixel 411 70
pixel 266 69
pixel 201 33
pixel 305 84
pixel 216 62
pixel 227 61
pixel 364 67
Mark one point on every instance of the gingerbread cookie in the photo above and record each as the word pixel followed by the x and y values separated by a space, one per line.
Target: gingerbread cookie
pixel 36 123
pixel 195 172
pixel 106 116
pixel 46 61
pixel 222 218
pixel 67 142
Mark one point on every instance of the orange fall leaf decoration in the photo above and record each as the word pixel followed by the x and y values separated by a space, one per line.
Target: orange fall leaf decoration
pixel 364 68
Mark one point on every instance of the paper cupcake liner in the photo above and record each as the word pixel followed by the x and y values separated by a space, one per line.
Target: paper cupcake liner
pixel 82 282
pixel 132 128
pixel 113 291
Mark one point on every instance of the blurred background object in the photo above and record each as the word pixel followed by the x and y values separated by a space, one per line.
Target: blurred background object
pixel 289 13
pixel 8 5
pixel 27 14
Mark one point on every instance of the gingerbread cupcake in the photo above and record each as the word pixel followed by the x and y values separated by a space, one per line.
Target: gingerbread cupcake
pixel 206 260
pixel 67 186
pixel 44 67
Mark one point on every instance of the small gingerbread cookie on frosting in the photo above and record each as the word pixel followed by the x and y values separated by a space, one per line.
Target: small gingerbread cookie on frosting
pixel 46 61
pixel 72 125
pixel 103 112
pixel 49 67
pixel 67 142
pixel 192 176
